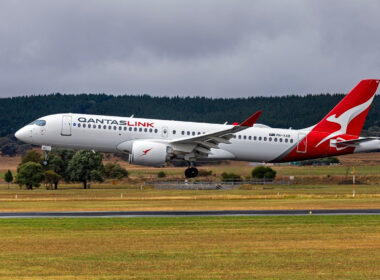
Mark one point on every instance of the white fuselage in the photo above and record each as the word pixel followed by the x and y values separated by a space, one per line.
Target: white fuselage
pixel 105 133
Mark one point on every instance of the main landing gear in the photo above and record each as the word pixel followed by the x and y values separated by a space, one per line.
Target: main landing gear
pixel 191 172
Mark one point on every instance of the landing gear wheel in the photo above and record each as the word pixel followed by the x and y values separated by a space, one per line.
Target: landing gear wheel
pixel 191 172
pixel 45 162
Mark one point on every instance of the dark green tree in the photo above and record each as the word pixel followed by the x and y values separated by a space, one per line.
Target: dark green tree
pixel 161 174
pixel 262 172
pixel 86 166
pixel 52 178
pixel 32 156
pixel 231 177
pixel 59 160
pixel 30 174
pixel 9 149
pixel 115 171
pixel 8 177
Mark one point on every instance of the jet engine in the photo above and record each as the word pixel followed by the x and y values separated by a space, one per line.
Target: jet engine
pixel 149 153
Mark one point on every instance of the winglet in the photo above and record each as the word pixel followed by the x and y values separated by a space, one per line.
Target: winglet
pixel 252 119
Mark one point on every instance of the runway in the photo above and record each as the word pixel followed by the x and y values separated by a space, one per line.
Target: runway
pixel 132 214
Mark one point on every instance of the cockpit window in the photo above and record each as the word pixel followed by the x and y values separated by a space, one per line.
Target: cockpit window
pixel 39 122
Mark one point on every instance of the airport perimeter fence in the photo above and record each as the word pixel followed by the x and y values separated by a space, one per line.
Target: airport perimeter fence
pixel 210 185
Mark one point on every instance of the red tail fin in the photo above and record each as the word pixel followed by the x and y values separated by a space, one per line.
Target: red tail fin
pixel 349 115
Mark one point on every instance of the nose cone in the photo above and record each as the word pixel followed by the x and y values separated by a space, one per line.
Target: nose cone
pixel 23 134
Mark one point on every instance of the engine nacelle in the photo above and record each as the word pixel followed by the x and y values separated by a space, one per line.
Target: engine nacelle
pixel 148 153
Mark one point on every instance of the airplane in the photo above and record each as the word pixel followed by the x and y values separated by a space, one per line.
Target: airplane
pixel 153 142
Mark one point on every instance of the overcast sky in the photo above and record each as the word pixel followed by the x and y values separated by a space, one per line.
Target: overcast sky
pixel 209 48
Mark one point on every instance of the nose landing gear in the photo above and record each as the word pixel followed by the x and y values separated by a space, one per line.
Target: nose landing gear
pixel 46 150
pixel 191 172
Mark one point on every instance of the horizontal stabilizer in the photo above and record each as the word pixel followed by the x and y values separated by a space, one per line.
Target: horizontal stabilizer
pixel 355 142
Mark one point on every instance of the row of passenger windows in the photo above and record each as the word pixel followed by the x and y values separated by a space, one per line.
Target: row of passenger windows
pixel 140 129
pixel 193 133
pixel 259 138
pixel 125 128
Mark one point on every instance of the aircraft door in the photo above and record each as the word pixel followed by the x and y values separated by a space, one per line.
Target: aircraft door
pixel 66 126
pixel 165 132
pixel 302 143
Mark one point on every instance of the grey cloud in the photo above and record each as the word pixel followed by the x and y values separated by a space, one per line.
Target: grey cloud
pixel 211 48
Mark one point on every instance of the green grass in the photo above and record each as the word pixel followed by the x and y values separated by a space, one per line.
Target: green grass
pixel 311 247
pixel 109 198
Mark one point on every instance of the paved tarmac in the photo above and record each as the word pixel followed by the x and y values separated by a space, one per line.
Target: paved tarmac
pixel 130 214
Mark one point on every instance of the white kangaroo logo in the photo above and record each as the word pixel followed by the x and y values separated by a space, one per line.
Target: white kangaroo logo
pixel 344 119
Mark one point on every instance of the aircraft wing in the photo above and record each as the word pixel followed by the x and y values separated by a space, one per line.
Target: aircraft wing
pixel 204 142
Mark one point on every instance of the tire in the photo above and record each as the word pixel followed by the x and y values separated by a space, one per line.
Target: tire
pixel 191 172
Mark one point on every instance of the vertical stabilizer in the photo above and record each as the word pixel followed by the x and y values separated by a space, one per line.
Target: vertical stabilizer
pixel 348 117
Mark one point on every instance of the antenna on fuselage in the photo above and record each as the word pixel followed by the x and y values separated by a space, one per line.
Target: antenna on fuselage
pixel 225 123
pixel 132 116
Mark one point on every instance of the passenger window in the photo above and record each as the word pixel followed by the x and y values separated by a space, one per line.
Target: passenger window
pixel 291 140
pixel 104 127
pixel 254 138
pixel 99 126
pixel 270 139
pixel 244 137
pixel 125 128
pixel 188 133
pixel 140 129
pixel 145 130
pixel 130 128
pixel 150 130
pixel 173 132
pixel 78 124
pixel 193 133
pixel 239 137
pixel 265 139
pixel 109 127
pixel 286 140
pixel 199 133
pixel 249 137
pixel 135 129
pixel 156 130
pixel 259 138
pixel 114 127
pixel 280 139
pixel 275 139
pixel 120 128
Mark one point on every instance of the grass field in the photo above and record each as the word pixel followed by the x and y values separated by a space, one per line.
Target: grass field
pixel 107 198
pixel 311 247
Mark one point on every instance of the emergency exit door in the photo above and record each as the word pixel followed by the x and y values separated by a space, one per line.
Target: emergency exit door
pixel 66 126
